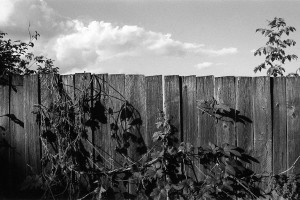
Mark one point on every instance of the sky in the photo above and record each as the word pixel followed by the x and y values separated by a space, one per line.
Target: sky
pixel 150 37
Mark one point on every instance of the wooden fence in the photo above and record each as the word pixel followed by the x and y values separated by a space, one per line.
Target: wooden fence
pixel 272 104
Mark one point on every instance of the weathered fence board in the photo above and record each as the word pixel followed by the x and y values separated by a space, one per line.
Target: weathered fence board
pixel 116 100
pixel 82 86
pixel 262 124
pixel 4 138
pixel 32 140
pixel 225 94
pixel 68 87
pixel 271 104
pixel 172 101
pixel 48 97
pixel 244 113
pixel 154 104
pixel 17 155
pixel 135 94
pixel 189 114
pixel 101 134
pixel 279 125
pixel 206 123
pixel 293 121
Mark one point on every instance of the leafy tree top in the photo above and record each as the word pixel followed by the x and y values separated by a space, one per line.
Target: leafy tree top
pixel 16 58
pixel 274 49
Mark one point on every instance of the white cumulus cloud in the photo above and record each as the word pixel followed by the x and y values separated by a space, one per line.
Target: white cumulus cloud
pixel 203 65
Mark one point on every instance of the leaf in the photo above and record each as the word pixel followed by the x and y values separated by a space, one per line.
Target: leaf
pixel 98 112
pixel 92 124
pixel 159 124
pixel 159 173
pixel 137 121
pixel 114 127
pixel 110 111
pixel 178 186
pixel 156 136
pixel 229 169
pixel 2 129
pixel 15 119
pixel 122 151
pixel 49 136
pixel 155 192
pixel 125 114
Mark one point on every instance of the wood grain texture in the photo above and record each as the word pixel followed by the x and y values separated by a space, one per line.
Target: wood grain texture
pixel 189 115
pixel 189 110
pixel 4 139
pixel 17 153
pixel 116 100
pixel 244 113
pixel 102 136
pixel 68 86
pixel 48 97
pixel 206 124
pixel 279 125
pixel 32 140
pixel 83 91
pixel 262 119
pixel 172 102
pixel 154 104
pixel 293 121
pixel 225 94
pixel 135 94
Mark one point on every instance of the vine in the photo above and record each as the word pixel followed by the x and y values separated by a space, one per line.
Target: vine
pixel 76 168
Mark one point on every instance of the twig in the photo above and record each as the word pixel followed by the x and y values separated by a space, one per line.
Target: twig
pixel 292 167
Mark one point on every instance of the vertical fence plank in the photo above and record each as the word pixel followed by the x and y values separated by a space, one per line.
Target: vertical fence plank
pixel 68 86
pixel 83 90
pixel 293 121
pixel 32 140
pixel 262 124
pixel 172 101
pixel 244 113
pixel 116 100
pixel 279 125
pixel 154 104
pixel 4 138
pixel 17 133
pixel 136 95
pixel 102 137
pixel 225 94
pixel 206 123
pixel 189 114
pixel 47 98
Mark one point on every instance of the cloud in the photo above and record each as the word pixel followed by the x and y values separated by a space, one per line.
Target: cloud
pixel 203 65
pixel 6 10
pixel 96 42
pixel 74 44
